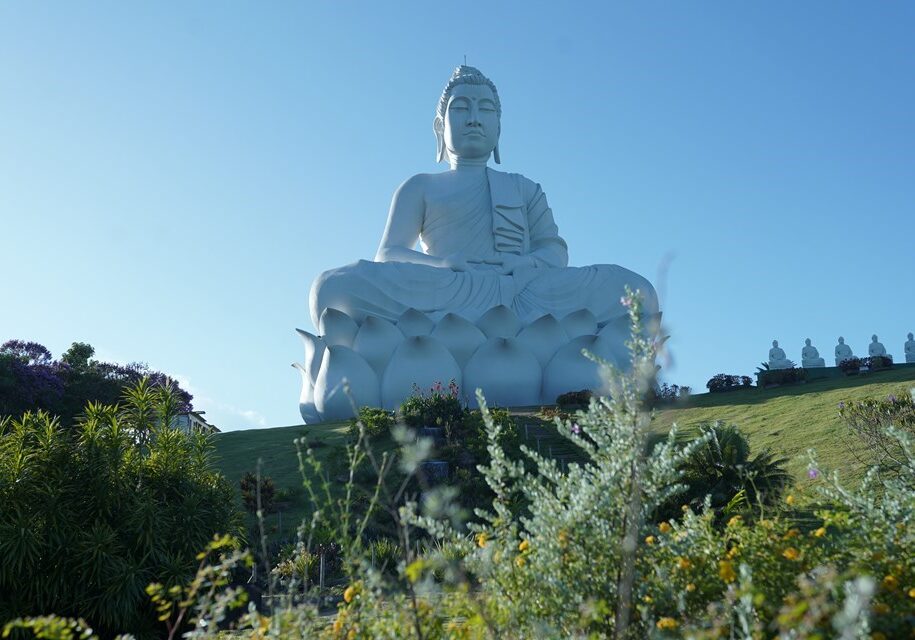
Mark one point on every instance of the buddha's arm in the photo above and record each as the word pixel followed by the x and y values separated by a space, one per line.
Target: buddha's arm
pixel 405 221
pixel 548 249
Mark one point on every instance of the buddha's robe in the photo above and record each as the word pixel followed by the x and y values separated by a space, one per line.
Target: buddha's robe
pixel 502 214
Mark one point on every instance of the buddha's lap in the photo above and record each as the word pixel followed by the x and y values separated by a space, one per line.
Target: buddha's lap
pixel 386 289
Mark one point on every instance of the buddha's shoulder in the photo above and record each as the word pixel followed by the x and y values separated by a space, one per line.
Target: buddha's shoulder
pixel 525 184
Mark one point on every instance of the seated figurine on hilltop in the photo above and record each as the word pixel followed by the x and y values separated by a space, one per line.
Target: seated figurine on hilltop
pixel 777 357
pixel 843 352
pixel 875 348
pixel 910 349
pixel 488 237
pixel 810 356
pixel 490 301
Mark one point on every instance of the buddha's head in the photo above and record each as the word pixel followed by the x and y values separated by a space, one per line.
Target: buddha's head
pixel 468 118
pixel 874 338
pixel 911 337
pixel 807 342
pixel 841 340
pixel 775 344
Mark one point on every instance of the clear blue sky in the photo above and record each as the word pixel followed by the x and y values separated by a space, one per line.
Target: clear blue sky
pixel 174 175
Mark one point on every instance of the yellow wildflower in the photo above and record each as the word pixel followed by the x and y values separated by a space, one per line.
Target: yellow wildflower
pixel 733 551
pixel 664 527
pixel 912 592
pixel 726 571
pixel 338 624
pixel 690 587
pixel 890 582
pixel 648 599
pixel 351 635
pixel 792 533
pixel 523 546
pixel 789 500
pixel 667 623
pixel 819 533
pixel 881 608
pixel 349 594
pixel 563 538
pixel 733 522
pixel 684 563
pixel 519 561
pixel 481 539
pixel 791 553
pixel 649 540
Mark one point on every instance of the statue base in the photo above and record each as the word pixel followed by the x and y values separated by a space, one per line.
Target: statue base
pixel 379 363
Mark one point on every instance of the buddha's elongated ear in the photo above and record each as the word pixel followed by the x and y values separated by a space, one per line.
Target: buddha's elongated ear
pixel 438 127
pixel 495 155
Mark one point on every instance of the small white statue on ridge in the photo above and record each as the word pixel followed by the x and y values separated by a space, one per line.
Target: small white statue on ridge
pixel 810 356
pixel 843 352
pixel 777 357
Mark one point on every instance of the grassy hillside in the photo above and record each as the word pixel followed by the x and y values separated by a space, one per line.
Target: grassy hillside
pixel 788 420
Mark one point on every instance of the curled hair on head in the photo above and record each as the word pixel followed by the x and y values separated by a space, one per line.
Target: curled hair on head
pixel 466 75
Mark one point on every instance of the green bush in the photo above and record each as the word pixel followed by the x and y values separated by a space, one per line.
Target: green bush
pixel 90 516
pixel 870 422
pixel 575 398
pixel 441 407
pixel 376 422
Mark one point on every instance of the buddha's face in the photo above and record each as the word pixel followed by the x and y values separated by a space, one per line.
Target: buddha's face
pixel 841 340
pixel 775 344
pixel 807 342
pixel 910 336
pixel 471 122
pixel 874 338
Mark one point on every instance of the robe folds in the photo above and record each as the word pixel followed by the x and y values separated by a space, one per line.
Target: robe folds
pixel 503 214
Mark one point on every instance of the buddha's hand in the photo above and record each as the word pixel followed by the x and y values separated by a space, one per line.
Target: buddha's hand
pixel 512 262
pixel 456 262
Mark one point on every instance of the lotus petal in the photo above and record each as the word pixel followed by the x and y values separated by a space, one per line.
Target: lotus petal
pixel 569 370
pixel 414 323
pixel 543 337
pixel 314 353
pixel 499 322
pixel 306 399
pixel 580 323
pixel 420 360
pixel 342 363
pixel 375 341
pixel 337 328
pixel 507 372
pixel 460 337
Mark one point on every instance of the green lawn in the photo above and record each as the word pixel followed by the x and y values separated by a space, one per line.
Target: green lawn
pixel 787 419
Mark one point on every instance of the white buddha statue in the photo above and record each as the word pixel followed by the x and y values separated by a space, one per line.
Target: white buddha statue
pixel 488 238
pixel 910 349
pixel 488 302
pixel 777 357
pixel 875 348
pixel 810 356
pixel 843 352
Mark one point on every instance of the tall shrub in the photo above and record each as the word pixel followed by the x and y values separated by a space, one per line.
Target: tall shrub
pixel 90 516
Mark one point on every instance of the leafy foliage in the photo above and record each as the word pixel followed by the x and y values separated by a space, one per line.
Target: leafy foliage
pixel 376 422
pixel 31 380
pixel 574 398
pixel 871 422
pixel 250 487
pixel 726 382
pixel 721 470
pixel 101 510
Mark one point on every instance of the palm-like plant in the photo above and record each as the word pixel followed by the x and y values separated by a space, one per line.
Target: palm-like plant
pixel 722 468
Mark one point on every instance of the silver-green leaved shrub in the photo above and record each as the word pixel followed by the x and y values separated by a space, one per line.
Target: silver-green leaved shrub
pixel 575 551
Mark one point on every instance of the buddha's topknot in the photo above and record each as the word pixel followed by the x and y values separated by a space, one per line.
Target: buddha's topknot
pixel 466 75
